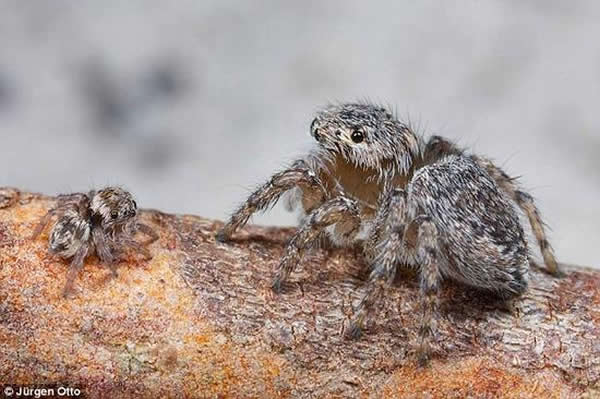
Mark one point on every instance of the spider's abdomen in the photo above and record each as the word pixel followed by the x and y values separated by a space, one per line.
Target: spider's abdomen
pixel 68 234
pixel 480 233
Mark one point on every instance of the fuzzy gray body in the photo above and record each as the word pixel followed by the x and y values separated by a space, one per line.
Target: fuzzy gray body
pixel 101 222
pixel 422 204
pixel 483 243
pixel 69 234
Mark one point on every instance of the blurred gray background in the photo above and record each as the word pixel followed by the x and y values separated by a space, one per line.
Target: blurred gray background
pixel 190 104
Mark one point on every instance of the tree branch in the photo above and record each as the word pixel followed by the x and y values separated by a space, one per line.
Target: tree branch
pixel 199 320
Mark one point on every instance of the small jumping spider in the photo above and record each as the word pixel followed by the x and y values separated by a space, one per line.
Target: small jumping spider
pixel 101 221
pixel 424 204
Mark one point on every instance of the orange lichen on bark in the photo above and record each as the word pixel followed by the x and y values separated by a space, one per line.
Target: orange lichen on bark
pixel 474 377
pixel 199 320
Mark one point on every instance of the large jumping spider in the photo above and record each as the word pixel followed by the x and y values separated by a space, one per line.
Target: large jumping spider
pixel 428 205
pixel 101 221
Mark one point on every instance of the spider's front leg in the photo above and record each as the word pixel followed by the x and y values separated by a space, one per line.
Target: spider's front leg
pixel 341 211
pixel 118 244
pixel 148 231
pixel 127 241
pixel 104 250
pixel 417 242
pixel 298 175
pixel 76 265
pixel 383 248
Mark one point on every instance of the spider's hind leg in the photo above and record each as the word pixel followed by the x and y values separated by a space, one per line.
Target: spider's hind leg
pixel 527 205
pixel 438 147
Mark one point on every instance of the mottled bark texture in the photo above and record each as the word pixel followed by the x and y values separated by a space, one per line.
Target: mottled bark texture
pixel 200 320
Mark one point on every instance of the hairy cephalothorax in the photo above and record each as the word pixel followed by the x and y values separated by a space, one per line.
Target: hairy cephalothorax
pixel 101 222
pixel 425 204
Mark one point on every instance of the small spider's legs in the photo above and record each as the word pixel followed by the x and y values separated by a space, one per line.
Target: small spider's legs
pixel 341 211
pixel 41 226
pixel 76 265
pixel 136 246
pixel 149 231
pixel 300 174
pixel 527 205
pixel 427 254
pixel 103 250
pixel 391 216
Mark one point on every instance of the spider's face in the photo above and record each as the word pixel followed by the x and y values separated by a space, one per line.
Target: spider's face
pixel 366 135
pixel 114 207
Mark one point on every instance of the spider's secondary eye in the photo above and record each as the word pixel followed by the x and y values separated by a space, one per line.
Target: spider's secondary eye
pixel 134 204
pixel 357 136
pixel 313 130
pixel 114 214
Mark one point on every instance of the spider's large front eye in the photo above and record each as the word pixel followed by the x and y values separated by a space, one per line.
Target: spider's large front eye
pixel 357 136
pixel 114 214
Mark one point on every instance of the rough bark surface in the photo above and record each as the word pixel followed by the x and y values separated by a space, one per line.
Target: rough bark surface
pixel 199 320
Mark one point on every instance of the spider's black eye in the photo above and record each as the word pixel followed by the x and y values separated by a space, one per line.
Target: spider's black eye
pixel 134 204
pixel 114 214
pixel 313 130
pixel 357 136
